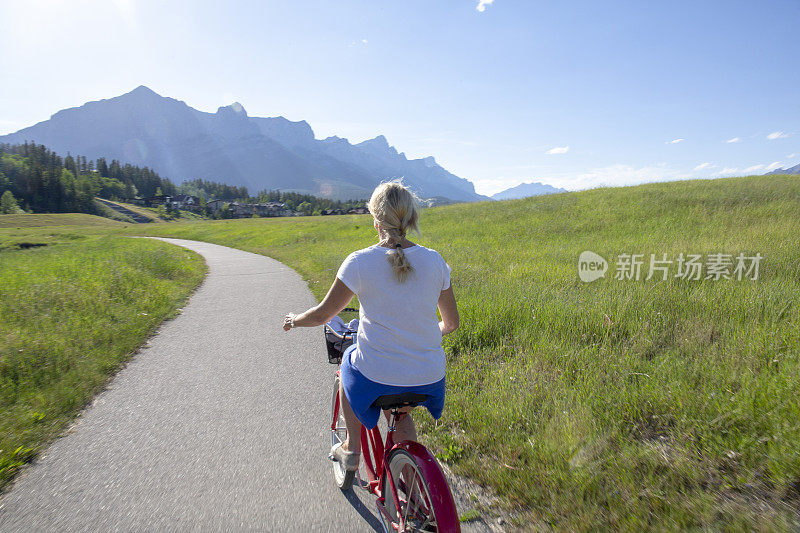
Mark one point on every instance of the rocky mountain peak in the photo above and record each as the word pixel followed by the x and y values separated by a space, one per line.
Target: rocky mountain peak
pixel 235 109
pixel 429 161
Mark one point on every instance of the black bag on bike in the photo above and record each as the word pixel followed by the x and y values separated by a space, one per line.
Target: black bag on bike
pixel 337 343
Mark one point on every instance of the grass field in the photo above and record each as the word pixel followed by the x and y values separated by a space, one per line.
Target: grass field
pixel 619 404
pixel 54 219
pixel 71 313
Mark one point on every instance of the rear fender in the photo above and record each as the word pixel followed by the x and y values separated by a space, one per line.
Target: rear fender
pixel 446 515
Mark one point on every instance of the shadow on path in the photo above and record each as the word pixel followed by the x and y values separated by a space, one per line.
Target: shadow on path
pixel 373 521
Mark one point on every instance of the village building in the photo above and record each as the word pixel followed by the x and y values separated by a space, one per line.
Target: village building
pixel 268 209
pixel 155 201
pixel 215 205
pixel 185 201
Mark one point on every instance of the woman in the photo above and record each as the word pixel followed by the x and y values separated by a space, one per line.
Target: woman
pixel 399 285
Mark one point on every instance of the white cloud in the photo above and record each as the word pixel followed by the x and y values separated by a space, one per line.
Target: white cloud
pixel 701 166
pixel 617 175
pixel 482 5
pixel 558 150
pixel 364 41
pixel 777 135
pixel 675 141
pixel 734 140
pixel 792 156
pixel 731 171
pixel 727 171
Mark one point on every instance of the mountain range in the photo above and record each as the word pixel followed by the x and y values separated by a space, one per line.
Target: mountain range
pixel 524 190
pixel 177 141
pixel 791 170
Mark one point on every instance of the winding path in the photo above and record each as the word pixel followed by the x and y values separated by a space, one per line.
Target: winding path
pixel 218 424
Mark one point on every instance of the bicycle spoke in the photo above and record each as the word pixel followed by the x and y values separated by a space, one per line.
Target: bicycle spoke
pixel 408 497
pixel 411 504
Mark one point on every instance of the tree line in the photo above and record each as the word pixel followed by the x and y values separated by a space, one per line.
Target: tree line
pixel 41 181
pixel 306 203
pixel 211 190
pixel 38 180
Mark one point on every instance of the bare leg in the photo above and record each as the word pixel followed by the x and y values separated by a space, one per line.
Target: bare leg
pixel 353 441
pixel 404 429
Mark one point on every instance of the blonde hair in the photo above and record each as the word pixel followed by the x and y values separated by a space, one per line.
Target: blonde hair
pixel 394 207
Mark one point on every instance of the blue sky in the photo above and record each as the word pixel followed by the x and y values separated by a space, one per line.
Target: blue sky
pixel 576 94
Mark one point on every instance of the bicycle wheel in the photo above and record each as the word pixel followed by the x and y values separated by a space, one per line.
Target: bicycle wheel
pixel 417 510
pixel 344 479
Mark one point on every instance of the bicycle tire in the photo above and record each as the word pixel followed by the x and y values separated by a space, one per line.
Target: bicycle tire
pixel 419 510
pixel 344 478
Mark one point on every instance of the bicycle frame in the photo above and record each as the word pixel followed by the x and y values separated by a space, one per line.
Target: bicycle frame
pixel 375 452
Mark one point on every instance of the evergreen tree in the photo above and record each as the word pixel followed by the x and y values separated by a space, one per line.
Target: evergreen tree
pixel 69 164
pixel 8 204
pixel 102 167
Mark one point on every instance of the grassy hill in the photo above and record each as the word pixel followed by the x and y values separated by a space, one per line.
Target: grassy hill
pixel 617 404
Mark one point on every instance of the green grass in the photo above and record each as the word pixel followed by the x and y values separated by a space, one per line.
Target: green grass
pixel 54 219
pixel 71 313
pixel 615 405
pixel 469 516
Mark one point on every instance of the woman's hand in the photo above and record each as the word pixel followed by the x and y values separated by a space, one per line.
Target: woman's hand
pixel 288 321
pixel 338 296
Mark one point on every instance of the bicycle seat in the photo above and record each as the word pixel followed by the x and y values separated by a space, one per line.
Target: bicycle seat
pixel 396 401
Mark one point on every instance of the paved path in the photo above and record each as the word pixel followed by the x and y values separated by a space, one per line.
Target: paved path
pixel 217 425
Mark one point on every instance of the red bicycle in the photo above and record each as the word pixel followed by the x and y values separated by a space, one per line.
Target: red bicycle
pixel 411 490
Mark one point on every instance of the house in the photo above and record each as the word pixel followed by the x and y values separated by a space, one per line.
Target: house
pixel 155 201
pixel 279 209
pixel 215 205
pixel 358 211
pixel 269 209
pixel 332 212
pixel 185 201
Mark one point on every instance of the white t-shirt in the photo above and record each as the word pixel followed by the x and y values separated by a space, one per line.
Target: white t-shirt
pixel 399 340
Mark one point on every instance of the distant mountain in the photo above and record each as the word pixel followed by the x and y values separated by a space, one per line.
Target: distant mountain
pixel 177 141
pixel 791 170
pixel 523 190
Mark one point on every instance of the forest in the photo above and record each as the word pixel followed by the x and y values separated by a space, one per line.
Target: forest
pixel 37 180
pixel 41 181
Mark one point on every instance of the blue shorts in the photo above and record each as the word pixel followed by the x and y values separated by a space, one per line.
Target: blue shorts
pixel 361 392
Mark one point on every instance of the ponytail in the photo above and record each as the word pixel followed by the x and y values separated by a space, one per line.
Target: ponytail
pixel 399 262
pixel 395 209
